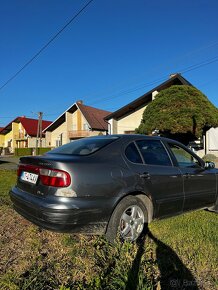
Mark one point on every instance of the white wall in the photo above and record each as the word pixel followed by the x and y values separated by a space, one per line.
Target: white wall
pixel 127 123
pixel 212 141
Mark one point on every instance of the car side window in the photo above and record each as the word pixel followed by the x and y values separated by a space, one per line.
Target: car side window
pixel 132 153
pixel 183 157
pixel 154 152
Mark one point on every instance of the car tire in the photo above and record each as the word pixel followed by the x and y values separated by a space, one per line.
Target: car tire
pixel 128 221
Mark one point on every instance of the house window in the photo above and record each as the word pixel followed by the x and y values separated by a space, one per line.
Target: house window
pixel 74 127
pixel 59 141
pixel 85 127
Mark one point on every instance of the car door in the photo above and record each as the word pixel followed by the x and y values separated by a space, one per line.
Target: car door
pixel 199 183
pixel 159 177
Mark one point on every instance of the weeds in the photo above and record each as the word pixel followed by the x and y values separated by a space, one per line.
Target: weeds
pixel 176 250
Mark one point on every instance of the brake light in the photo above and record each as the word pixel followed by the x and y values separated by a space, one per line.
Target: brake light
pixel 49 177
pixel 28 168
pixel 56 178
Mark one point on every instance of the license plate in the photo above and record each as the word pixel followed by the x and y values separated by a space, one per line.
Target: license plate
pixel 29 177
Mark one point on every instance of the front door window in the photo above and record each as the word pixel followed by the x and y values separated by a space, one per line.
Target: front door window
pixel 199 184
pixel 184 158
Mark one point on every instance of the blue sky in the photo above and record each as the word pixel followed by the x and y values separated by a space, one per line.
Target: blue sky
pixel 114 52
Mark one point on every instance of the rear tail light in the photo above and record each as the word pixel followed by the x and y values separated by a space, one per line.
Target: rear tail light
pixel 55 178
pixel 49 177
pixel 28 168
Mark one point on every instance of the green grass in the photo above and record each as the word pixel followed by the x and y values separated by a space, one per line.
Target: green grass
pixel 177 252
pixel 7 180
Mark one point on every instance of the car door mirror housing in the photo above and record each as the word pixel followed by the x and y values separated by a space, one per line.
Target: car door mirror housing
pixel 209 165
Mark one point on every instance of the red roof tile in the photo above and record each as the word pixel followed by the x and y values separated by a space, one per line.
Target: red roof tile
pixel 31 125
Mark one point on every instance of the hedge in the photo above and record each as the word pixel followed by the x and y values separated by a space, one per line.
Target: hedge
pixel 30 151
pixel 22 151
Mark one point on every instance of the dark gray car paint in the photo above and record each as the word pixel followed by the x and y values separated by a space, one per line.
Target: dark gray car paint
pixel 100 180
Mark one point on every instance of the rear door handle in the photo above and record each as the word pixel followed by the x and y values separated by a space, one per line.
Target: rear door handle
pixel 145 175
pixel 187 175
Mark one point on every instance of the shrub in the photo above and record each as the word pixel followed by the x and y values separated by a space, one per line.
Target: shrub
pixel 41 151
pixel 23 151
pixel 29 151
pixel 209 157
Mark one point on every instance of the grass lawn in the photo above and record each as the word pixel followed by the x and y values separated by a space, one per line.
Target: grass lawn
pixel 177 253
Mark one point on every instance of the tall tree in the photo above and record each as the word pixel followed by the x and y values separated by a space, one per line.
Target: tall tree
pixel 179 110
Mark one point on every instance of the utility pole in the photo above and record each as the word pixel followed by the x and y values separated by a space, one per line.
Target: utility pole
pixel 39 131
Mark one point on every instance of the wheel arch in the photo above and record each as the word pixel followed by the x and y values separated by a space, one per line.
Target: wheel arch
pixel 146 199
pixel 148 204
pixel 113 225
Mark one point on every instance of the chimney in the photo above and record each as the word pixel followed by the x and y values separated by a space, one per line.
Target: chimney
pixel 174 74
pixel 154 93
pixel 80 102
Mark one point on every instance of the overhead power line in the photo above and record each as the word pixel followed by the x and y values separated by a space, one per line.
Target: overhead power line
pixel 129 91
pixel 198 65
pixel 46 45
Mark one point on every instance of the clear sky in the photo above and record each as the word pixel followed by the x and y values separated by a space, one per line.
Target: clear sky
pixel 114 52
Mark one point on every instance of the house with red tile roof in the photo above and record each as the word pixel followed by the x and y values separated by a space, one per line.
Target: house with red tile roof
pixel 76 122
pixel 21 133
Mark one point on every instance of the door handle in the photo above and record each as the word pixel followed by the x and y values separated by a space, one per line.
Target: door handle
pixel 187 175
pixel 145 175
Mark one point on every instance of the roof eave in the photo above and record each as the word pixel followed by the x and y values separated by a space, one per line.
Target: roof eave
pixel 60 116
pixel 138 102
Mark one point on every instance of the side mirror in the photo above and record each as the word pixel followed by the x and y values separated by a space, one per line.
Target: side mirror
pixel 209 165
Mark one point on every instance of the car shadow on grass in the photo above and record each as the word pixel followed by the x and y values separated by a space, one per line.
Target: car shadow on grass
pixel 173 273
pixel 3 162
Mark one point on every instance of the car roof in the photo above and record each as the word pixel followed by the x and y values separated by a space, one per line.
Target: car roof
pixel 129 137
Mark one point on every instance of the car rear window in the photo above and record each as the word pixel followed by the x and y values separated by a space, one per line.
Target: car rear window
pixel 84 146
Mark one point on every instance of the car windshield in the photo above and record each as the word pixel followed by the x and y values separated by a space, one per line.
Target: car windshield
pixel 84 146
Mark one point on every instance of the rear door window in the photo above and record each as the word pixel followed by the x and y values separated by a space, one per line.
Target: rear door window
pixel 154 152
pixel 132 153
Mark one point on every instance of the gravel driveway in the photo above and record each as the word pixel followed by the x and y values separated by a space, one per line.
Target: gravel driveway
pixel 9 162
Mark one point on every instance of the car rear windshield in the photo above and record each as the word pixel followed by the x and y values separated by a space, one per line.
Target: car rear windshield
pixel 84 146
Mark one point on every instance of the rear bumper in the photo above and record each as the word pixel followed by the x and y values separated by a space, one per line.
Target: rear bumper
pixel 87 215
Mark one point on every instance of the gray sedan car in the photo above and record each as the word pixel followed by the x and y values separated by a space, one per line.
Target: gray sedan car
pixel 113 185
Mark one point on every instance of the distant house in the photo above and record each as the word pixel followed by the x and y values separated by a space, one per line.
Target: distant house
pixel 210 142
pixel 21 133
pixel 128 118
pixel 1 140
pixel 76 122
